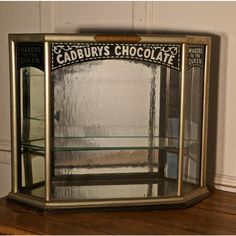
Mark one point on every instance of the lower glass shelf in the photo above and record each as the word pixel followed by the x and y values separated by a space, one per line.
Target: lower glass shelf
pixel 111 189
pixel 106 143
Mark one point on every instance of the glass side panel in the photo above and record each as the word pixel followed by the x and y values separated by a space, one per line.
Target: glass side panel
pixel 32 103
pixel 33 171
pixel 193 112
pixel 32 126
pixel 169 122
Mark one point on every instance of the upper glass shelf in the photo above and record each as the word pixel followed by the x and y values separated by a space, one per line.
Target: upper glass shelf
pixel 107 143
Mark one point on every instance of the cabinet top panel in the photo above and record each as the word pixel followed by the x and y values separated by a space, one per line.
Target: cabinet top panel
pixel 138 38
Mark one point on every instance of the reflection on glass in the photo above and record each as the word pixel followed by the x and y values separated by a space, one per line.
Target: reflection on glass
pixel 32 126
pixel 169 124
pixel 33 171
pixel 32 103
pixel 193 124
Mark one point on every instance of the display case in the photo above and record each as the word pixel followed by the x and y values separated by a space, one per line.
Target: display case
pixel 108 120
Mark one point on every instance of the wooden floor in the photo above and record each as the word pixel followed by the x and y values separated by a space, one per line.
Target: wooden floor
pixel 214 215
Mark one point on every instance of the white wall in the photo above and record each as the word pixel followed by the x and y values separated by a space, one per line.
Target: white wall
pixel 64 17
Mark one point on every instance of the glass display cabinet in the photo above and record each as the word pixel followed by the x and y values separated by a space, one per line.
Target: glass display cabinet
pixel 108 120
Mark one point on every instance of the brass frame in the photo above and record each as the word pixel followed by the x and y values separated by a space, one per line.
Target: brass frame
pixel 180 199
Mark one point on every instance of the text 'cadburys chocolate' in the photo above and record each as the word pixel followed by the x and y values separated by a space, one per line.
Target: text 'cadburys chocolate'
pixel 65 54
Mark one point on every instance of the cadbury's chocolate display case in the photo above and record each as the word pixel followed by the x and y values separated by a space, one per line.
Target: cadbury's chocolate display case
pixel 102 121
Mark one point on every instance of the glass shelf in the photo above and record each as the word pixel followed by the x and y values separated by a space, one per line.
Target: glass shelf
pixel 150 188
pixel 107 143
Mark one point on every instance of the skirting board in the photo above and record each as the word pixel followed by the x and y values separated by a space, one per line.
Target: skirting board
pixel 221 182
pixel 5 152
pixel 224 182
pixel 5 145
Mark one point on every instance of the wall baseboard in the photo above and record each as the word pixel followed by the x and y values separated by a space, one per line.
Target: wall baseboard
pixel 5 145
pixel 224 182
pixel 5 152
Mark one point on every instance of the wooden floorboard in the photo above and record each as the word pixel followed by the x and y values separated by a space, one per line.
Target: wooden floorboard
pixel 214 215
